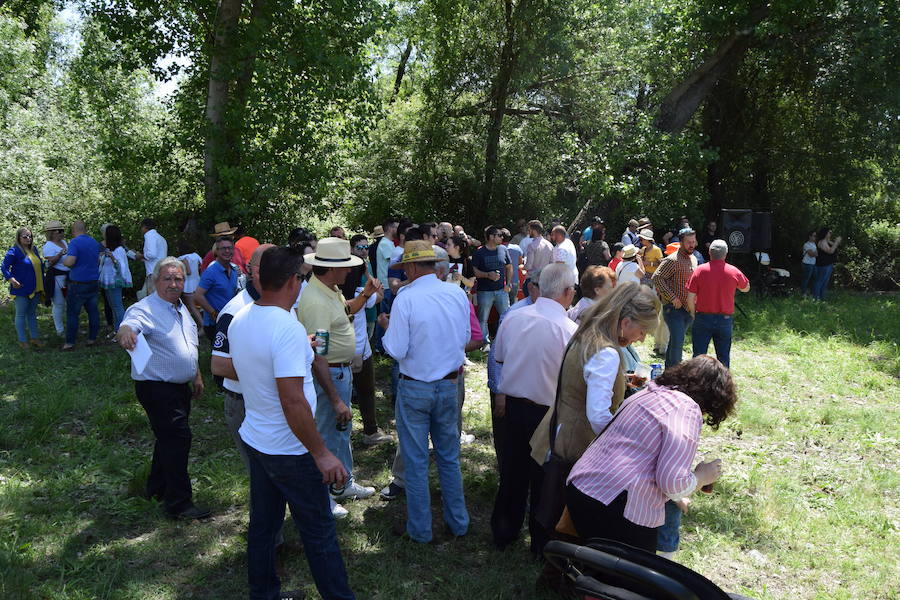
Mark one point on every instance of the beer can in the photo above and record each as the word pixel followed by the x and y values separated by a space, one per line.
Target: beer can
pixel 335 489
pixel 656 370
pixel 322 338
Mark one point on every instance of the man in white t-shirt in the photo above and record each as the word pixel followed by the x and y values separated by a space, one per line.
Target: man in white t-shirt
pixel 289 462
pixel 563 249
pixel 155 248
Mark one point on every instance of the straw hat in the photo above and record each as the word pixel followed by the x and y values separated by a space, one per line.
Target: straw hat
pixel 332 252
pixel 417 251
pixel 222 228
pixel 629 251
pixel 53 225
pixel 646 234
pixel 378 231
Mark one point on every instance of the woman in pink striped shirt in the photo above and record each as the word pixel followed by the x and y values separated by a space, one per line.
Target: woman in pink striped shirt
pixel 619 487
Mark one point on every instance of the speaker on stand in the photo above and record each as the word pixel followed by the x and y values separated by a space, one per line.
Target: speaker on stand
pixel 737 229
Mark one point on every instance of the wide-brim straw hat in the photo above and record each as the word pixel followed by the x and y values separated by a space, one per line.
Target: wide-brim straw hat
pixel 378 231
pixel 332 252
pixel 629 251
pixel 223 228
pixel 417 251
pixel 53 226
pixel 646 234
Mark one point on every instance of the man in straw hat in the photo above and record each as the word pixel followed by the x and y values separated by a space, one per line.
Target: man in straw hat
pixel 322 306
pixel 224 231
pixel 426 316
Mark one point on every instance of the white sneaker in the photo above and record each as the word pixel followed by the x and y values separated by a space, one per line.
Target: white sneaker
pixel 379 437
pixel 354 491
pixel 338 511
pixel 466 438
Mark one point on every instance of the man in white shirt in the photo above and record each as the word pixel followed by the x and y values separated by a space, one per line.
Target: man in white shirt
pixel 538 252
pixel 564 250
pixel 385 248
pixel 289 462
pixel 155 248
pixel 528 383
pixel 428 315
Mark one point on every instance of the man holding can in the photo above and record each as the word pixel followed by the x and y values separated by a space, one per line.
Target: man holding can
pixel 323 309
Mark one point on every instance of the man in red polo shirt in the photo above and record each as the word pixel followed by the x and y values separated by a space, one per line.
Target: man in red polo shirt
pixel 710 301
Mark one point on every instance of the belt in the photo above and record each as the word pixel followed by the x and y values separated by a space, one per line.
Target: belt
pixel 339 365
pixel 447 376
pixel 82 282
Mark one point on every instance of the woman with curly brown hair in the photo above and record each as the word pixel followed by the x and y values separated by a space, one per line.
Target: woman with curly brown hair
pixel 619 487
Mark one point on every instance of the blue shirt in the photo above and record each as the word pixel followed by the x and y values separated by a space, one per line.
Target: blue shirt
pixel 588 234
pixel 488 260
pixel 220 288
pixel 86 251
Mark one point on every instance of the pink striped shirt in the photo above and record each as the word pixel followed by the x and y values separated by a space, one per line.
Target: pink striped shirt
pixel 648 450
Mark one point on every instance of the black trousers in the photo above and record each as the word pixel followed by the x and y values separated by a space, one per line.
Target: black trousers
pixel 593 519
pixel 168 406
pixel 364 385
pixel 498 424
pixel 519 475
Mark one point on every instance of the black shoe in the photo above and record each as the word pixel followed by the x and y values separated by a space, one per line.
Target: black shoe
pixel 191 513
pixel 293 595
pixel 392 491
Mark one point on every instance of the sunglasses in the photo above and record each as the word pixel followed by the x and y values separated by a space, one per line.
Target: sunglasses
pixel 362 247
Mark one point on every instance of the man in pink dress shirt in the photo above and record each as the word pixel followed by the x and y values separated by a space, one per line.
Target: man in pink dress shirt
pixel 530 345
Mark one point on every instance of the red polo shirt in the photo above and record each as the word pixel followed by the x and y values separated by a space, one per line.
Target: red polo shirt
pixel 715 283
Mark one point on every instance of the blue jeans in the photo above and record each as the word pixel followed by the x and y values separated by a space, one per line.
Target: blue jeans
pixel 809 278
pixel 667 534
pixel 337 442
pixel 274 480
pixel 677 320
pixel 716 328
pixel 823 275
pixel 114 300
pixel 423 409
pixel 486 300
pixel 26 313
pixel 82 294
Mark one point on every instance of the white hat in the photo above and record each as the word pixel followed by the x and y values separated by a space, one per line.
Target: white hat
pixel 332 252
pixel 629 251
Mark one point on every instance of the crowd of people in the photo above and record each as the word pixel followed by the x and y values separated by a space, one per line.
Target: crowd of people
pixel 587 444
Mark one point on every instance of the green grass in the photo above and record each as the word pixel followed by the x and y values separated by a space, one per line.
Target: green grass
pixel 808 507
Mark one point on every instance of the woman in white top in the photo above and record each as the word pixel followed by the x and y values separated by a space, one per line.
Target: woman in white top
pixel 191 261
pixel 810 252
pixel 54 250
pixel 632 267
pixel 114 272
pixel 596 283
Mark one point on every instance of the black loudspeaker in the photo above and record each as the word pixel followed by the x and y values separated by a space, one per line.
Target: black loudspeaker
pixel 737 226
pixel 761 233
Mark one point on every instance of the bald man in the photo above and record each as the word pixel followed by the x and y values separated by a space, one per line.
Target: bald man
pixel 82 259
pixel 221 353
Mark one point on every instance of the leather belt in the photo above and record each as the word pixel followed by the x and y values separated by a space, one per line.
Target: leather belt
pixel 339 365
pixel 447 376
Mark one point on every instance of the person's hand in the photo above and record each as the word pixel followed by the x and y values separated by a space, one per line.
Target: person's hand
pixel 384 319
pixel 313 342
pixel 507 289
pixel 342 412
pixel 138 256
pixel 333 471
pixel 372 287
pixel 684 504
pixel 198 386
pixel 676 302
pixel 127 337
pixel 708 472
pixel 494 276
pixel 499 405
pixel 15 283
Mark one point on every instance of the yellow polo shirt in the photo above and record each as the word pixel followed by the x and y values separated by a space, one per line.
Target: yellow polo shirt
pixel 322 307
pixel 651 256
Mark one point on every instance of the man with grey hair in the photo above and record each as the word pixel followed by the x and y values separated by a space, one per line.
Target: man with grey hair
pixel 710 300
pixel 528 388
pixel 161 385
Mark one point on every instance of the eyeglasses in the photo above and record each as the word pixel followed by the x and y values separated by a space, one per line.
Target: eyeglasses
pixel 362 247
pixel 25 235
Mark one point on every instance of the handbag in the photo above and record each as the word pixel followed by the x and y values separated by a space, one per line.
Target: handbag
pixel 556 469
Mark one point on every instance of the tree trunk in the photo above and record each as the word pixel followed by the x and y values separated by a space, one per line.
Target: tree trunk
pixel 401 70
pixel 499 97
pixel 684 100
pixel 220 75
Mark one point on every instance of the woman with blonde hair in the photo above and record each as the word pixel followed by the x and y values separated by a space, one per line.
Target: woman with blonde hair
pixel 592 382
pixel 25 273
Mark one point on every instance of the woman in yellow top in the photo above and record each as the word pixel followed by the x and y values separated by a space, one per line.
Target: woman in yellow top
pixel 650 253
pixel 25 273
